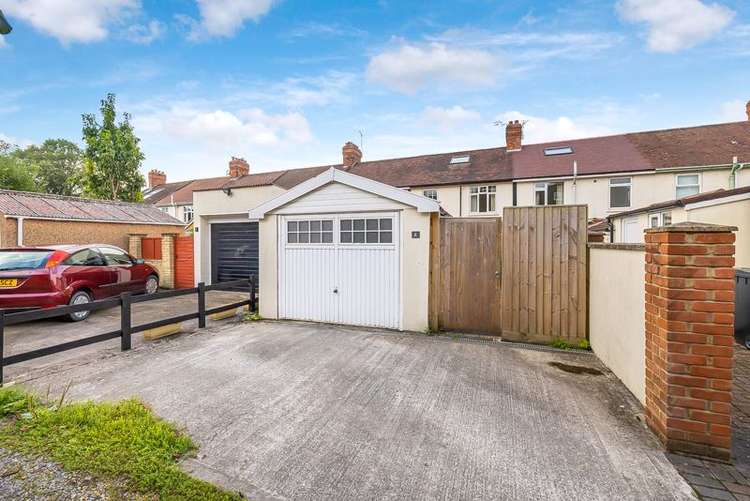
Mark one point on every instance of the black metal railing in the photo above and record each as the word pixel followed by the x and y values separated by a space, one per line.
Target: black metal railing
pixel 125 301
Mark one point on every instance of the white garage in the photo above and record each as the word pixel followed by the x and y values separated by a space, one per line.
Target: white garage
pixel 341 248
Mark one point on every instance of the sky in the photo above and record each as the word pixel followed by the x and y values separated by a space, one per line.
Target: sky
pixel 285 83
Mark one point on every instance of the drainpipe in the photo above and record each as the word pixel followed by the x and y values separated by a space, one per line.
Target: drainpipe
pixel 575 177
pixel 736 167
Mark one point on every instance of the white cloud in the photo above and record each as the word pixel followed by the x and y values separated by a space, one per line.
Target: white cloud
pixel 223 18
pixel 332 87
pixel 252 126
pixel 3 43
pixel 72 20
pixel 543 129
pixel 449 118
pixel 733 111
pixel 676 24
pixel 14 141
pixel 145 33
pixel 409 67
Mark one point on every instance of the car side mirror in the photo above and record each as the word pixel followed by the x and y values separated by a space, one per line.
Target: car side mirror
pixel 140 261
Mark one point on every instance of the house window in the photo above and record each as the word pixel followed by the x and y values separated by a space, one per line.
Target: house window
pixel 483 199
pixel 548 193
pixel 366 231
pixel 660 219
pixel 187 213
pixel 687 184
pixel 619 192
pixel 430 194
pixel 310 231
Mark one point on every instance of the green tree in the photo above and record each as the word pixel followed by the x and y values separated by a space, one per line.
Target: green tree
pixel 57 166
pixel 15 173
pixel 112 158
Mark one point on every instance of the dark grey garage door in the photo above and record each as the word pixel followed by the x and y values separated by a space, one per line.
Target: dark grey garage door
pixel 234 251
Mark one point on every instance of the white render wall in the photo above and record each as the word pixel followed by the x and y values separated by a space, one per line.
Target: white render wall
pixel 617 309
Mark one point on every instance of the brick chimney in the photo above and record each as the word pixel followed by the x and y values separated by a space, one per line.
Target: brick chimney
pixel 238 167
pixel 156 178
pixel 747 110
pixel 513 135
pixel 352 155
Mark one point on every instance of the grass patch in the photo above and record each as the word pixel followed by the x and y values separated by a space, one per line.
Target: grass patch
pixel 122 442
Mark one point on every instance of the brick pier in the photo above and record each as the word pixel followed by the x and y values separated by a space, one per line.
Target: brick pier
pixel 689 337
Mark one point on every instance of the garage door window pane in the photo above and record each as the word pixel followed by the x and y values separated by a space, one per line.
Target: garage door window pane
pixel 313 231
pixel 367 231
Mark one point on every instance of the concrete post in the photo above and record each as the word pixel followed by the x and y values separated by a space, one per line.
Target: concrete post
pixel 689 337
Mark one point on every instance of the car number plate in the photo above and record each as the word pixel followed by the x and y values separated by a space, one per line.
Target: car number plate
pixel 8 282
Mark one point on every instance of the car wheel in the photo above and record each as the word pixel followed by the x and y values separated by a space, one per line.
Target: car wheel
pixel 80 297
pixel 152 284
pixel 747 341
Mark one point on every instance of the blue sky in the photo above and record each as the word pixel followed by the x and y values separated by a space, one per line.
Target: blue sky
pixel 285 83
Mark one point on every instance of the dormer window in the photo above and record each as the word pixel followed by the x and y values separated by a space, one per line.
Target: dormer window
pixel 463 159
pixel 557 150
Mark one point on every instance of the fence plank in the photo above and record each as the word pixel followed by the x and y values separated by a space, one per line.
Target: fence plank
pixel 544 293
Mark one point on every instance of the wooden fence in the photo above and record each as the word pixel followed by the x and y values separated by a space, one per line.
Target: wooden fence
pixel 465 275
pixel 544 255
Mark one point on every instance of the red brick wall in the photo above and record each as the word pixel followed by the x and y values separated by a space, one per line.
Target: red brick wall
pixel 689 336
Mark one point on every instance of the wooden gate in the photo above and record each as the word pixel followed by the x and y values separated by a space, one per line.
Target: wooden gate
pixel 466 275
pixel 544 297
pixel 184 271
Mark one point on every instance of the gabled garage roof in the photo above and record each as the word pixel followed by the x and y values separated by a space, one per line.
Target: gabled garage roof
pixel 333 175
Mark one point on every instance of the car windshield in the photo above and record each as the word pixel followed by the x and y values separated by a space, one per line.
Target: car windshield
pixel 23 260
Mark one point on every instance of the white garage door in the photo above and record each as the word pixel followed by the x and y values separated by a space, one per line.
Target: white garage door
pixel 341 268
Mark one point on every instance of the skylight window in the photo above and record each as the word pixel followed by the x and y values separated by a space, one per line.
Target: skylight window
pixel 460 160
pixel 558 150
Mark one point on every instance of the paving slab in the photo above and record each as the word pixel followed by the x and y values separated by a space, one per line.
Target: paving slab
pixel 303 411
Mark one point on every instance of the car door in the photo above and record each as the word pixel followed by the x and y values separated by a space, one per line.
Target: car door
pixel 121 264
pixel 86 268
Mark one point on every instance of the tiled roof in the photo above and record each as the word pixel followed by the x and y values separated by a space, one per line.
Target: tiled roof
pixel 682 202
pixel 153 195
pixel 633 152
pixel 184 194
pixel 40 205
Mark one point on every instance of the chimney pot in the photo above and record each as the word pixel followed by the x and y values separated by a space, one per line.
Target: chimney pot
pixel 513 135
pixel 352 155
pixel 747 110
pixel 238 167
pixel 156 178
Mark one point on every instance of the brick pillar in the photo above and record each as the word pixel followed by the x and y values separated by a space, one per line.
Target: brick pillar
pixel 689 337
pixel 135 247
pixel 166 278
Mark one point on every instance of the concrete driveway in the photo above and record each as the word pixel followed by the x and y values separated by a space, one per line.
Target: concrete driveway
pixel 300 411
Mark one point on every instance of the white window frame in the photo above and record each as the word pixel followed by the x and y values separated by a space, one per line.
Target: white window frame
pixel 188 213
pixel 629 184
pixel 487 190
pixel 677 184
pixel 662 219
pixel 543 186
pixel 430 194
pixel 308 220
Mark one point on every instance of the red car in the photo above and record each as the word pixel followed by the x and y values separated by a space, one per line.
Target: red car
pixel 33 277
